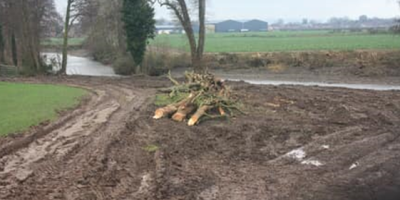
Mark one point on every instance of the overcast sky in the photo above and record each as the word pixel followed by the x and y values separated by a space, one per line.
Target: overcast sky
pixel 289 10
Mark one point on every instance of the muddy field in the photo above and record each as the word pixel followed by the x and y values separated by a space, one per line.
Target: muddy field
pixel 295 143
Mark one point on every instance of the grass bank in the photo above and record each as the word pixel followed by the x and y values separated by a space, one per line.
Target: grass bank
pixel 26 105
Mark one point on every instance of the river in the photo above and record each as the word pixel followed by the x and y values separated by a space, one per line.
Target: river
pixel 83 66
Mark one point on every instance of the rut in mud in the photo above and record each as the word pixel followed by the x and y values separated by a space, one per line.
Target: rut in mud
pixel 61 164
pixel 295 143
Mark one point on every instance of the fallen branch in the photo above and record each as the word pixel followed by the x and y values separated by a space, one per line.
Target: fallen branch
pixel 175 82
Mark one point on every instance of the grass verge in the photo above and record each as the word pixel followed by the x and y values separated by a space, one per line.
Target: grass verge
pixel 26 105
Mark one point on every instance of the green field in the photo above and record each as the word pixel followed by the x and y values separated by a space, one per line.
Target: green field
pixel 25 105
pixel 59 42
pixel 285 41
pixel 271 41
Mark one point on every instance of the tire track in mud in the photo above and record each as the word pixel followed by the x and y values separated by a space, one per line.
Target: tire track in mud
pixel 330 144
pixel 65 163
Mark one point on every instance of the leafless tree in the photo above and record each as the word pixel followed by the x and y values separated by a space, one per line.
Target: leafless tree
pixel 75 11
pixel 181 11
pixel 105 37
pixel 23 25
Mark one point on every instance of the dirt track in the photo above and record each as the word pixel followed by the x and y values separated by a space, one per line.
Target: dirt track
pixel 296 143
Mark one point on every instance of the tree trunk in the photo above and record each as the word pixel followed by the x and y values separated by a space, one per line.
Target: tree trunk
pixel 14 50
pixel 183 112
pixel 200 68
pixel 138 69
pixel 1 45
pixel 186 22
pixel 181 11
pixel 172 108
pixel 65 44
pixel 199 113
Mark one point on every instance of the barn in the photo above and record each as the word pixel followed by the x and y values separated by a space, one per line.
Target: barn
pixel 255 26
pixel 228 26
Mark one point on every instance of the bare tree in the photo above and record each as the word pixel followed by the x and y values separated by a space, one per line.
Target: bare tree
pixel 23 24
pixel 181 11
pixel 65 42
pixel 73 13
pixel 106 37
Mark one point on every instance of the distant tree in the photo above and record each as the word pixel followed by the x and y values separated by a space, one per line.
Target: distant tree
pixel 161 21
pixel 280 22
pixel 363 18
pixel 1 45
pixel 89 10
pixel 396 28
pixel 106 38
pixel 139 25
pixel 305 21
pixel 339 22
pixel 181 11
pixel 52 21
pixel 314 22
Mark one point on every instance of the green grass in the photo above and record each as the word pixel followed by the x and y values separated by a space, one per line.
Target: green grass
pixel 151 148
pixel 285 41
pixel 26 105
pixel 59 42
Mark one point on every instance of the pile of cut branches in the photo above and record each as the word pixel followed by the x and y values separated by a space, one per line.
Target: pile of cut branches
pixel 205 97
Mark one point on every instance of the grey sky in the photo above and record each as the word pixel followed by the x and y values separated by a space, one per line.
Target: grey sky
pixel 290 9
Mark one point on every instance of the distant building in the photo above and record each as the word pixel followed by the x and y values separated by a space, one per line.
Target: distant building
pixel 174 29
pixel 228 26
pixel 168 29
pixel 236 26
pixel 255 26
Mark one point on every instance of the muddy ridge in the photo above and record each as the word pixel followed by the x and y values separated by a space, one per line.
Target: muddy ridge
pixel 294 143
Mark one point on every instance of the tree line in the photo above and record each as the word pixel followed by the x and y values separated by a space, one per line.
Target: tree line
pixel 113 28
pixel 23 23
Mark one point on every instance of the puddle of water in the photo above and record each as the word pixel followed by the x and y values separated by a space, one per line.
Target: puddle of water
pixel 83 66
pixel 339 85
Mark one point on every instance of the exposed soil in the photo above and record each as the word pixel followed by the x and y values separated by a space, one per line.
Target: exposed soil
pixel 294 143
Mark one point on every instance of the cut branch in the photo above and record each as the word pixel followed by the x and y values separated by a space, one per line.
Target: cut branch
pixel 199 113
pixel 208 96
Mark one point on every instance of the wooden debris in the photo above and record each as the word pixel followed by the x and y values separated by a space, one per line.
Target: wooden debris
pixel 199 113
pixel 207 95
pixel 163 112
